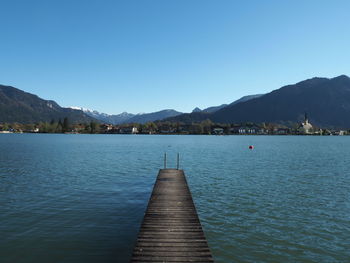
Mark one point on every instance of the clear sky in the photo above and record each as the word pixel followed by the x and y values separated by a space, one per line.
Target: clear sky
pixel 148 55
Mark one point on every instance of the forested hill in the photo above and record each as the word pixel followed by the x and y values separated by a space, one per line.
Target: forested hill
pixel 327 102
pixel 23 107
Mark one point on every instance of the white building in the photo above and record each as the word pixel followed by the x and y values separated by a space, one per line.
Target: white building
pixel 305 127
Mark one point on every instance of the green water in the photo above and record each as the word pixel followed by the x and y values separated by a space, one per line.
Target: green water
pixel 81 198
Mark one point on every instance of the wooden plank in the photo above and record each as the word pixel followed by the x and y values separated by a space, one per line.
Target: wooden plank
pixel 171 230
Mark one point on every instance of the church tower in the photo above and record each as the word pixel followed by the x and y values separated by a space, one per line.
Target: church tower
pixel 305 127
pixel 306 119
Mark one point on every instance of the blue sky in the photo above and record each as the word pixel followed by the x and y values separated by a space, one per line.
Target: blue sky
pixel 143 56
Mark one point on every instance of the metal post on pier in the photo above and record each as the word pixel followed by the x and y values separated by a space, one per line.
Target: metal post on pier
pixel 178 161
pixel 164 160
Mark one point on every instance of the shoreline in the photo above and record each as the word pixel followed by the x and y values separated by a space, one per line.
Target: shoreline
pixel 172 134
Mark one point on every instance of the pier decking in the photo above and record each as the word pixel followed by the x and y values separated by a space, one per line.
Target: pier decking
pixel 171 230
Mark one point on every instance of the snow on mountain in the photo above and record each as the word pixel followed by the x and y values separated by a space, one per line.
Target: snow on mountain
pixel 107 118
pixel 126 117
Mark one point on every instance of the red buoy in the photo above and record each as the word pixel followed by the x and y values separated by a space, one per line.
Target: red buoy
pixel 251 147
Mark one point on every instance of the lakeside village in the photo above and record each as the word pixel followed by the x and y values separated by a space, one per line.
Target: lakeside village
pixel 206 127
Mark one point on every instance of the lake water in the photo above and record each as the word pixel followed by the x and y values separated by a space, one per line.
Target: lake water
pixel 81 198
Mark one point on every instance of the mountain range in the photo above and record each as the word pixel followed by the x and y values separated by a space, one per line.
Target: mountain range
pixel 106 118
pixel 126 117
pixel 216 108
pixel 326 100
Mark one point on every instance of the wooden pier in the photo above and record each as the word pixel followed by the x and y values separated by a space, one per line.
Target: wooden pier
pixel 171 230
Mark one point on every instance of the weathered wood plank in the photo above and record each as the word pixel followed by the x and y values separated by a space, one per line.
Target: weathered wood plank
pixel 171 230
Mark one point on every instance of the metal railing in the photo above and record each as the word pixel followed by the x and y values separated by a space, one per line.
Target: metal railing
pixel 177 161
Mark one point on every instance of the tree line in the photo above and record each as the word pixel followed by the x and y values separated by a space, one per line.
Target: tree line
pixel 54 126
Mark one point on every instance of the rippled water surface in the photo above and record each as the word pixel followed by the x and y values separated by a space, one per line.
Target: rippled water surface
pixel 81 198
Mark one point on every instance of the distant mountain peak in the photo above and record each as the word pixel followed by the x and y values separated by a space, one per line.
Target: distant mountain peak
pixel 246 98
pixel 214 108
pixel 196 109
pixel 124 113
pixel 316 81
pixel 154 116
pixel 126 117
pixel 105 117
pixel 341 77
pixel 311 81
